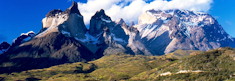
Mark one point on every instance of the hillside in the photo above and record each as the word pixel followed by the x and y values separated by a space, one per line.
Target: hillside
pixel 212 65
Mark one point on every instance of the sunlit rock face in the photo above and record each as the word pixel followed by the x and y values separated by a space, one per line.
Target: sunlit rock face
pixel 69 22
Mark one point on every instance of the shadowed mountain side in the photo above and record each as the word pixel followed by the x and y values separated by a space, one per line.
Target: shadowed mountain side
pixel 50 50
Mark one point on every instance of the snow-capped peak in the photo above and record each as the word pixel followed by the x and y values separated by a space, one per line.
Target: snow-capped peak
pixel 30 33
pixel 181 29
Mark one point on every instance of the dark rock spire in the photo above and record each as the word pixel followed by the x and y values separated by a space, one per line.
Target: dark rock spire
pixel 120 21
pixel 73 9
pixel 101 14
pixel 98 22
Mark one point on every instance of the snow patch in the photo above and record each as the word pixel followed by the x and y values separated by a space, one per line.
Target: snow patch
pixel 52 23
pixel 171 13
pixel 231 38
pixel 88 39
pixel 105 20
pixel 165 74
pixel 163 18
pixel 200 13
pixel 181 72
pixel 65 33
pixel 152 31
pixel 148 29
pixel 191 23
pixel 4 50
pixel 189 71
pixel 78 15
pixel 28 33
pixel 50 29
pixel 117 39
pixel 165 21
pixel 27 39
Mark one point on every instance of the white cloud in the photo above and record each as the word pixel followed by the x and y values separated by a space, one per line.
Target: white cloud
pixel 130 10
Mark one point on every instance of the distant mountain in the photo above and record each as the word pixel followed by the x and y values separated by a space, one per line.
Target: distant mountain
pixel 162 32
pixel 158 32
pixel 64 38
pixel 24 37
pixel 4 46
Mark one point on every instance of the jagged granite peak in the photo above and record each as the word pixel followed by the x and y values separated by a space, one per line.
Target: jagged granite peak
pixel 73 9
pixel 105 35
pixel 69 22
pixel 120 21
pixel 98 22
pixel 100 15
pixel 180 29
pixel 100 12
pixel 132 23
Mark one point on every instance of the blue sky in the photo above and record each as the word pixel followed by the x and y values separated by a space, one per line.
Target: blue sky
pixel 224 12
pixel 21 16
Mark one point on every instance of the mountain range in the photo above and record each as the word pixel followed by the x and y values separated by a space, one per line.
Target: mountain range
pixel 64 38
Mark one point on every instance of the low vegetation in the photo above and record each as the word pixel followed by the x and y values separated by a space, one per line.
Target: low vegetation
pixel 213 65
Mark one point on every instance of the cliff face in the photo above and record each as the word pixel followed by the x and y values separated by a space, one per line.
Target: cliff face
pixel 69 22
pixel 111 38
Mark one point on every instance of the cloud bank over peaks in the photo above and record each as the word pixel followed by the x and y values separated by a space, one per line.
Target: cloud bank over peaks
pixel 130 10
